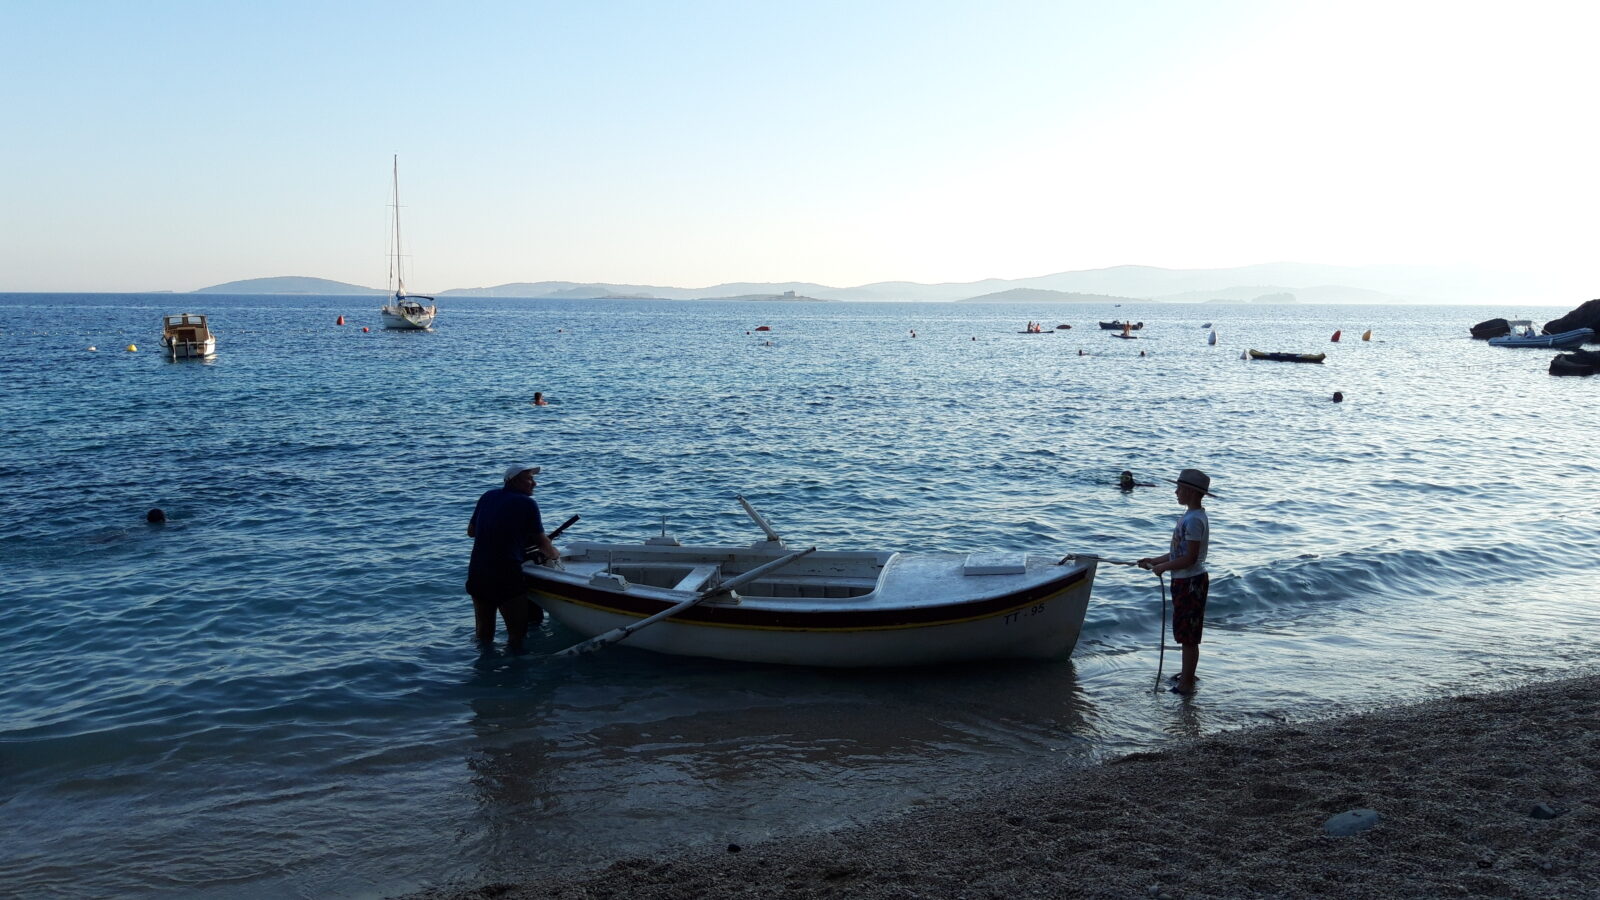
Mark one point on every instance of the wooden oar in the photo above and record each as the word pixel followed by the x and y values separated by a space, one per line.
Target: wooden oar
pixel 533 549
pixel 617 634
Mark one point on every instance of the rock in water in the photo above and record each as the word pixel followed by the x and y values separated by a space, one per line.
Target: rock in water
pixel 1351 821
pixel 1491 328
pixel 1585 316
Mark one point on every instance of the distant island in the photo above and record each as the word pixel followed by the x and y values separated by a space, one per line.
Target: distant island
pixel 1020 295
pixel 288 284
pixel 1266 283
pixel 768 298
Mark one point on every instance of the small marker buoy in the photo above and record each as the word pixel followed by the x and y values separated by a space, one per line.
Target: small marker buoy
pixel 365 329
pixel 133 348
pixel 93 349
pixel 1366 335
pixel 340 321
pixel 1336 337
pixel 763 327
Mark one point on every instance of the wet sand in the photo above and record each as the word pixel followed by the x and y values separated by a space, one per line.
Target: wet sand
pixel 1480 795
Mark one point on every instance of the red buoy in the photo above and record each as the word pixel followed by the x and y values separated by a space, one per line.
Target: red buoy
pixel 763 327
pixel 1336 337
pixel 365 329
pixel 340 322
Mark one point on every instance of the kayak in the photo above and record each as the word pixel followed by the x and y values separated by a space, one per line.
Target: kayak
pixel 1289 357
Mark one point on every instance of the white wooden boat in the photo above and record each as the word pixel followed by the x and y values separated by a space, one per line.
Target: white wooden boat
pixel 1525 334
pixel 404 311
pixel 826 608
pixel 187 336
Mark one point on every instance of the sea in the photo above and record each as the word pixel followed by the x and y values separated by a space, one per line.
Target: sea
pixel 276 693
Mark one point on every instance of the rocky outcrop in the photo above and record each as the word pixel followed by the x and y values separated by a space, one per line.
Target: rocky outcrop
pixel 1585 316
pixel 1580 362
pixel 1491 328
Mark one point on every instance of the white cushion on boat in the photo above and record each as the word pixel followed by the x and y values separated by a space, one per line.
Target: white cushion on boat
pixel 995 564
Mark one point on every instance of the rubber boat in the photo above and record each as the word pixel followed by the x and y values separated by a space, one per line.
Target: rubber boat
pixel 187 336
pixel 842 608
pixel 1118 326
pixel 1524 334
pixel 1289 357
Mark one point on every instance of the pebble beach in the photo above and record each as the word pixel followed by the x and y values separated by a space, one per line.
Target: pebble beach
pixel 1477 795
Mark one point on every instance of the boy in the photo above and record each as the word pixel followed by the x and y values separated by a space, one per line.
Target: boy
pixel 1186 561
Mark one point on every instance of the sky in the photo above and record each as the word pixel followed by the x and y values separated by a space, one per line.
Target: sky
pixel 160 145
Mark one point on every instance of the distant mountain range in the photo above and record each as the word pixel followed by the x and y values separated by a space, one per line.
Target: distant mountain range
pixel 1266 283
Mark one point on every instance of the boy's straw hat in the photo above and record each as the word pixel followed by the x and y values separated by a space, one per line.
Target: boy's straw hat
pixel 1196 479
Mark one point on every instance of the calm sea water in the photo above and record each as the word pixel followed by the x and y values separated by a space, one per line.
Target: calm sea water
pixel 277 692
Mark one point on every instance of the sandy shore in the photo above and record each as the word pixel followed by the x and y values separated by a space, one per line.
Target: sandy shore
pixel 1492 795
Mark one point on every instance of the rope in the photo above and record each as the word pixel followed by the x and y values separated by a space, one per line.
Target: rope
pixel 1161 638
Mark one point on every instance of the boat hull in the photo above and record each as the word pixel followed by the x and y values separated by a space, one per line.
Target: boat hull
pixel 407 321
pixel 1566 340
pixel 191 349
pixel 922 612
pixel 1289 357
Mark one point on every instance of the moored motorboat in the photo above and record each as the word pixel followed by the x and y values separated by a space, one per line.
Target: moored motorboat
pixel 187 336
pixel 1118 326
pixel 1525 334
pixel 1289 357
pixel 823 608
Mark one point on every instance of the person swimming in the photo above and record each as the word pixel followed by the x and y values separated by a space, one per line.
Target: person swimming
pixel 538 399
pixel 1126 482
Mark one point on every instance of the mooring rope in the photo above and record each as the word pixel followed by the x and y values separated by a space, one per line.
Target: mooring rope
pixel 1161 637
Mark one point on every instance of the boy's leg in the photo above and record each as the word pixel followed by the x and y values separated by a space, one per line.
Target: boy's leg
pixel 1188 623
pixel 1191 659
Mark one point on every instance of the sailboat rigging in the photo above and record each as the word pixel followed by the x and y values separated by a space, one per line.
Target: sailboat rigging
pixel 403 310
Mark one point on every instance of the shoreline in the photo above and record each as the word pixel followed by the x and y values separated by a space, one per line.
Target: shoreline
pixel 1494 794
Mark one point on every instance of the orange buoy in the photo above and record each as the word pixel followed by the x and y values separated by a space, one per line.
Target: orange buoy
pixel 365 329
pixel 340 322
pixel 1366 335
pixel 763 328
pixel 1336 337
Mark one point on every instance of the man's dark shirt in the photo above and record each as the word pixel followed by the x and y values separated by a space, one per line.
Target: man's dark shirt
pixel 504 522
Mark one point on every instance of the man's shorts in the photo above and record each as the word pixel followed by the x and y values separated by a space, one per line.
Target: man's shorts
pixel 1189 607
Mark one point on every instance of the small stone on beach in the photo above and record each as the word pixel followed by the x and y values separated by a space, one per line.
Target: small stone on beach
pixel 1351 821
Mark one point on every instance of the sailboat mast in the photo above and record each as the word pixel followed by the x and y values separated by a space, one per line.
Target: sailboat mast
pixel 399 266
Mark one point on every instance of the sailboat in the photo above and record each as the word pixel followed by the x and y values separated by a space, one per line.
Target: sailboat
pixel 403 310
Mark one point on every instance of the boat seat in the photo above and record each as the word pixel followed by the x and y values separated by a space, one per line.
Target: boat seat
pixel 696 579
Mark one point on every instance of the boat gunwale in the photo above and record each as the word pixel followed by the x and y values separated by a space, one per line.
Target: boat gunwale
pixel 787 613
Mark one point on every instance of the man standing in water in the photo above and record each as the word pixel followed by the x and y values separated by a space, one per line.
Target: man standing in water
pixel 505 521
pixel 1186 561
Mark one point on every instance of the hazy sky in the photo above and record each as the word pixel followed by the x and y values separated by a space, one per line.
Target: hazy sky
pixel 172 145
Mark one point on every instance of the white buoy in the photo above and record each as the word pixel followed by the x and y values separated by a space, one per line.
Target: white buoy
pixel 92 349
pixel 1244 354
